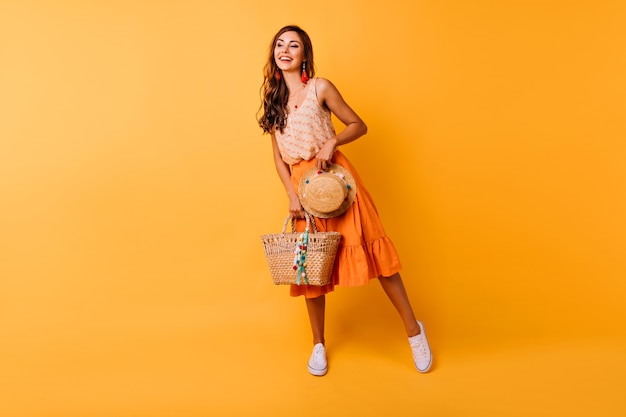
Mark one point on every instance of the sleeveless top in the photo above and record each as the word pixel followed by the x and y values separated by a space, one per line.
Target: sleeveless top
pixel 308 128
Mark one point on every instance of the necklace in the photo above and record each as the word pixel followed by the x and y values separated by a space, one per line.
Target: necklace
pixel 297 100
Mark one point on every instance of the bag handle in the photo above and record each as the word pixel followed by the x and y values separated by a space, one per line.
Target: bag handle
pixel 310 221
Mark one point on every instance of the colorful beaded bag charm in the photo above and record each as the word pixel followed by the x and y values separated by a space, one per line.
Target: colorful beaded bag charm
pixel 299 260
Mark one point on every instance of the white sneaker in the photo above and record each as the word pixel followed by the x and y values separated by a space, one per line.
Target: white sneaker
pixel 317 363
pixel 422 356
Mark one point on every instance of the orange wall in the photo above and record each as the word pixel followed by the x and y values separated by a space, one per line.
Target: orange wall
pixel 134 182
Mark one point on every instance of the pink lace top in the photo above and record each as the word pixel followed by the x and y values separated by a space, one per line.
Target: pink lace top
pixel 307 130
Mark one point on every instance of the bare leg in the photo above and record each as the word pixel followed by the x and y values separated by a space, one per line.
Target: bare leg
pixel 394 288
pixel 316 308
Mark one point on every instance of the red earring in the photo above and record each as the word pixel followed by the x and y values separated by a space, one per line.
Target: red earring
pixel 305 76
pixel 277 75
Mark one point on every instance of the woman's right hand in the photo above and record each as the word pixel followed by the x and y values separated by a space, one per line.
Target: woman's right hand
pixel 295 208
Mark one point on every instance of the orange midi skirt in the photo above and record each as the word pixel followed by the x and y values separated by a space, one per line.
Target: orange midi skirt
pixel 365 251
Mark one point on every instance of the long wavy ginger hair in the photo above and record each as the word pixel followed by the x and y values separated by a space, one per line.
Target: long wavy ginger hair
pixel 274 92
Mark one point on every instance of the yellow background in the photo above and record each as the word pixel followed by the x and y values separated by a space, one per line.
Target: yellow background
pixel 135 183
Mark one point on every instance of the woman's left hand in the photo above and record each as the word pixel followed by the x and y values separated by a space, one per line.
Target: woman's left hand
pixel 325 155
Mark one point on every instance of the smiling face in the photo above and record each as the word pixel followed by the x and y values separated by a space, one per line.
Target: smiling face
pixel 289 52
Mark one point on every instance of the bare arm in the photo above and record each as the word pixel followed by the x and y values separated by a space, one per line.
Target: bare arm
pixel 329 96
pixel 284 173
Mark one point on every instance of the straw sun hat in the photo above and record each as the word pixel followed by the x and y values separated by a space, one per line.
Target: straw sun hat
pixel 328 193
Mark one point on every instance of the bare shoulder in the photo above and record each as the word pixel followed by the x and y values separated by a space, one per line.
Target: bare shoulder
pixel 326 90
pixel 324 85
pixel 329 96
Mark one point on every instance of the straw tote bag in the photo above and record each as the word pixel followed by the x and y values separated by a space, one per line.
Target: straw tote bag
pixel 301 258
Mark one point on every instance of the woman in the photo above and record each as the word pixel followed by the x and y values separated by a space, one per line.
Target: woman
pixel 296 112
